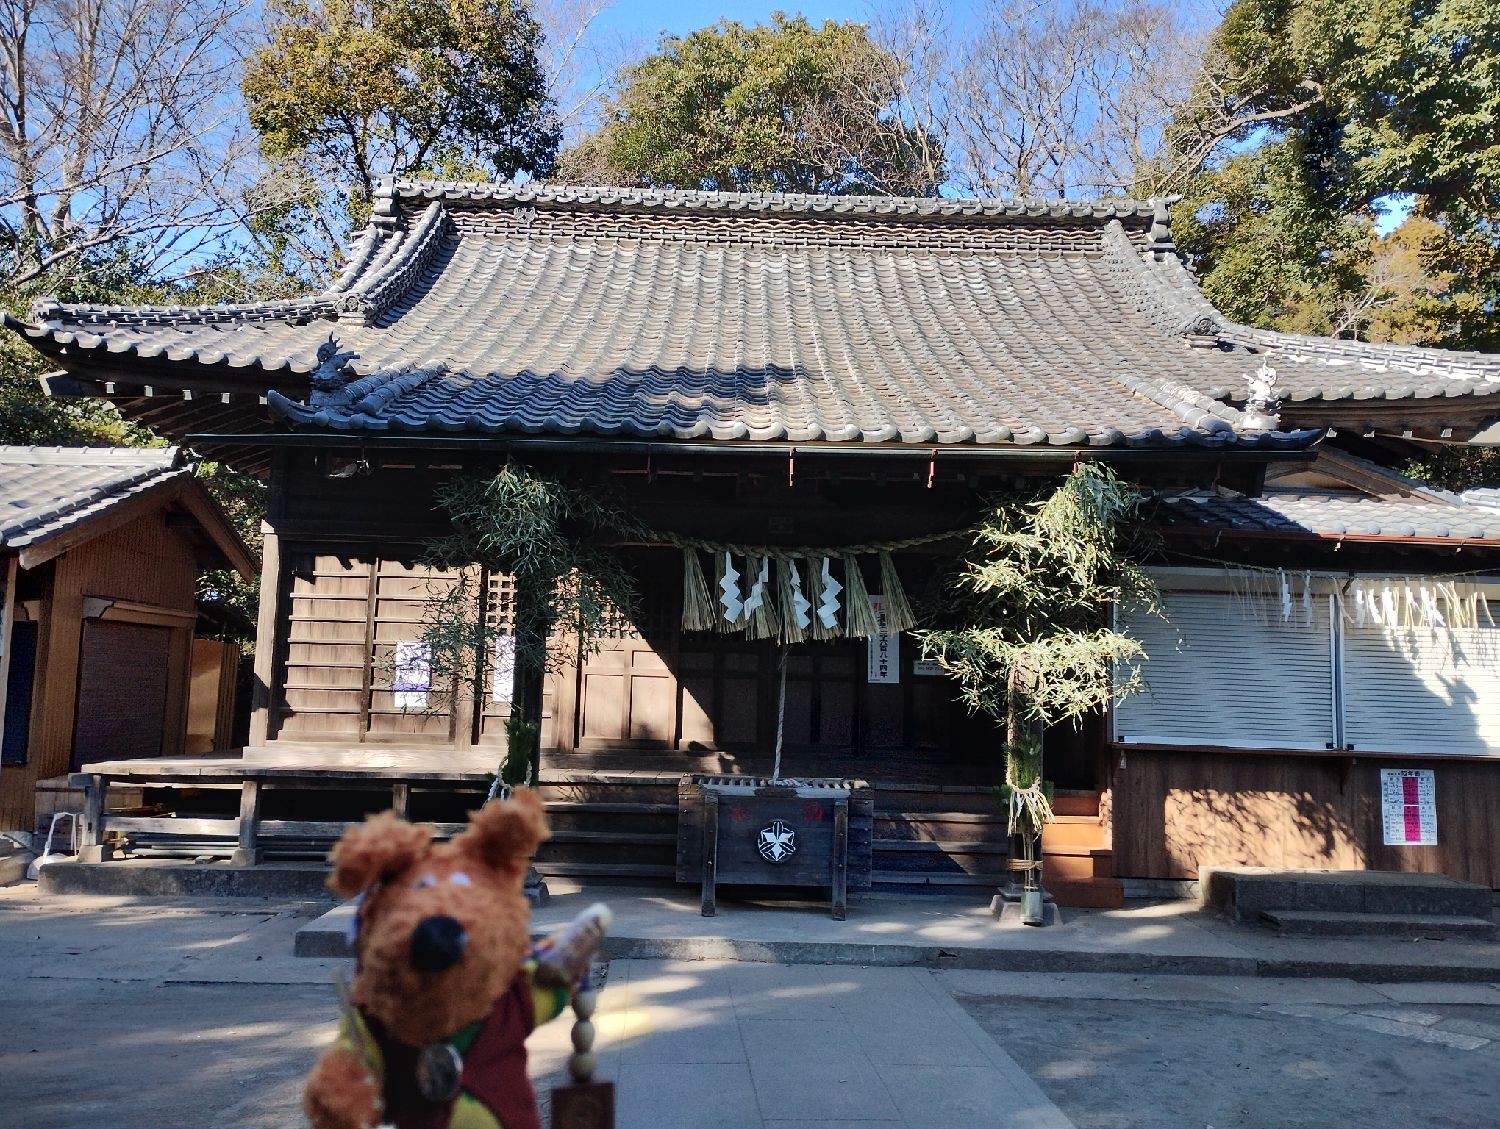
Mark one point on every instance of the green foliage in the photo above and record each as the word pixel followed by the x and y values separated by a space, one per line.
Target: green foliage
pixel 780 107
pixel 1458 468
pixel 1028 641
pixel 374 87
pixel 1317 114
pixel 554 539
pixel 520 736
pixel 1026 797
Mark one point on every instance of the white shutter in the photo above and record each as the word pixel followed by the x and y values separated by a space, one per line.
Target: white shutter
pixel 1217 673
pixel 1416 690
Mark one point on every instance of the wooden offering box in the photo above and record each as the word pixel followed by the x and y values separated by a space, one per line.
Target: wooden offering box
pixel 759 832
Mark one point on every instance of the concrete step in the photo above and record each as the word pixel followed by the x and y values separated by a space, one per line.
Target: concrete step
pixel 1314 923
pixel 164 879
pixel 1244 893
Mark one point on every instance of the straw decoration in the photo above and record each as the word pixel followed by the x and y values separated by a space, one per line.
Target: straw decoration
pixel 898 615
pixel 697 608
pixel 859 617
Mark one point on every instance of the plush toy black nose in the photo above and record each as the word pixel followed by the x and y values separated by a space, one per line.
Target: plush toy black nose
pixel 437 943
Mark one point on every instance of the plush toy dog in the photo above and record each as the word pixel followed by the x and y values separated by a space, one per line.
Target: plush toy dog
pixel 447 986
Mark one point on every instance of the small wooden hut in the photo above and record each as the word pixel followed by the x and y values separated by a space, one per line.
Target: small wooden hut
pixel 100 554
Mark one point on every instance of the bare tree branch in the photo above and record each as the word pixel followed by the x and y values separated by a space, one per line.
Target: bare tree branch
pixel 119 121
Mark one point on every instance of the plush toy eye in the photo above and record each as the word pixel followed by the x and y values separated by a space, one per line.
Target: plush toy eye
pixel 425 880
pixel 459 878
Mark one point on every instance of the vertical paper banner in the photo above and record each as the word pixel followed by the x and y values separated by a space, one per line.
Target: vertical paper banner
pixel 1408 801
pixel 503 676
pixel 883 649
pixel 413 678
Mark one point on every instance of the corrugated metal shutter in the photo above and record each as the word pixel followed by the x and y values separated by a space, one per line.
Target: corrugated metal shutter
pixel 122 691
pixel 1413 690
pixel 1217 674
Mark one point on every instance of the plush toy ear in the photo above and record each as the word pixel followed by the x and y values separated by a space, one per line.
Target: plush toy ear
pixel 379 847
pixel 504 833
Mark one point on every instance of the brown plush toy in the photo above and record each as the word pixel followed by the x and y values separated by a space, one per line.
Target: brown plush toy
pixel 446 987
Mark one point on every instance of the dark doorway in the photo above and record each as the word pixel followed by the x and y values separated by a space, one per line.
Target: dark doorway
pixel 18 693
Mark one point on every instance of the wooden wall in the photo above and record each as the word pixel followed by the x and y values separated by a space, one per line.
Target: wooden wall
pixel 1177 810
pixel 142 561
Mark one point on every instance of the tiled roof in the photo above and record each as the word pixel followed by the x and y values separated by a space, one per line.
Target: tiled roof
pixel 1439 517
pixel 46 490
pixel 1483 496
pixel 1313 368
pixel 494 309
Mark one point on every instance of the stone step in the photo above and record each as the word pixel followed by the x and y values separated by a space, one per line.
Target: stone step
pixel 1244 893
pixel 1314 923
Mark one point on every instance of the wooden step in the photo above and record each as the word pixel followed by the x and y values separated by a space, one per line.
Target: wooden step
pixel 920 846
pixel 615 838
pixel 1069 865
pixel 1075 830
pixel 612 817
pixel 941 827
pixel 897 880
pixel 1089 893
pixel 1076 803
pixel 646 874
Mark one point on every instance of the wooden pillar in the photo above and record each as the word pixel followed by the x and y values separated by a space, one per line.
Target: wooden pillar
pixel 710 851
pixel 248 851
pixel 533 620
pixel 265 635
pixel 401 799
pixel 840 859
pixel 93 848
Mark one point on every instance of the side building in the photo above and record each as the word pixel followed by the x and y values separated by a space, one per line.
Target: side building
pixel 100 554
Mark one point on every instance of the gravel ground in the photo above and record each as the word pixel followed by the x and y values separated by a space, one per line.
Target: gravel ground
pixel 1191 1064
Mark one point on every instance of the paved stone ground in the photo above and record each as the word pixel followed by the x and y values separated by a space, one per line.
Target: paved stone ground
pixel 167 1014
pixel 1164 1052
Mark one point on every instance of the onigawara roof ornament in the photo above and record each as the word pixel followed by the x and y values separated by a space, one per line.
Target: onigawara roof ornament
pixel 1262 410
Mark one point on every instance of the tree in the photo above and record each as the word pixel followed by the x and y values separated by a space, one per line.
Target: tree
pixel 1044 99
pixel 784 107
pixel 403 87
pixel 554 540
pixel 117 126
pixel 1028 641
pixel 1310 119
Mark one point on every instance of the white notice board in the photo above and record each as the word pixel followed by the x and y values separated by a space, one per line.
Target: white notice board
pixel 1408 803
